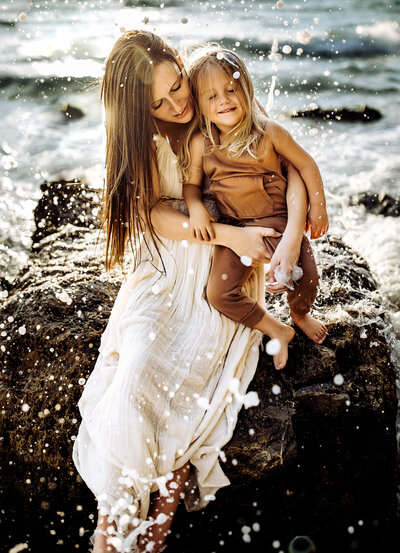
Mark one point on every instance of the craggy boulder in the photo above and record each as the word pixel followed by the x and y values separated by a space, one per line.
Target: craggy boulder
pixel 317 457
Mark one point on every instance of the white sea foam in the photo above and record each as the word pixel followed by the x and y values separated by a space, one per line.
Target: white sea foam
pixel 387 30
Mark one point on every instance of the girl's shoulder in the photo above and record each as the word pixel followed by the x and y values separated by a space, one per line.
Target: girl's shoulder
pixel 198 143
pixel 274 133
pixel 272 127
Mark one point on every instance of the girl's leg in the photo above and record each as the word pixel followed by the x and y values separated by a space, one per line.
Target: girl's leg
pixel 155 536
pixel 302 297
pixel 225 293
pixel 101 544
pixel 225 288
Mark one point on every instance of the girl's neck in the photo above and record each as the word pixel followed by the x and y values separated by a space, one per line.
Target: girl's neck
pixel 225 138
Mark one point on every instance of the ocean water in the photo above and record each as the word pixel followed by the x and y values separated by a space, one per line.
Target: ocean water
pixel 328 53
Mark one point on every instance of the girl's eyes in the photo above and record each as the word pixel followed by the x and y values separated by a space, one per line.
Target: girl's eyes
pixel 157 106
pixel 230 90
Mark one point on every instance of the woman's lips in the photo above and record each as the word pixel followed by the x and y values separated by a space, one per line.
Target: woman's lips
pixel 183 112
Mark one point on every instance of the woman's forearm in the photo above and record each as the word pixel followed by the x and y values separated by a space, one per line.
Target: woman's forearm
pixel 246 241
pixel 174 224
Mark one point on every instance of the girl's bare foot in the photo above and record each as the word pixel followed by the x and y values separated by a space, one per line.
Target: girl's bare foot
pixel 313 328
pixel 285 336
pixel 277 331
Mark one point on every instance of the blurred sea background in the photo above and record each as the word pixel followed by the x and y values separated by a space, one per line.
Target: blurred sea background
pixel 326 53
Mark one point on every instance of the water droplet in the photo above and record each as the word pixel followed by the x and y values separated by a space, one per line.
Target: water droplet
pixel 276 389
pixel 245 260
pixel 338 379
pixel 273 347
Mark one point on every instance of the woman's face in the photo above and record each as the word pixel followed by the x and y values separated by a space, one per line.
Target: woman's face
pixel 171 100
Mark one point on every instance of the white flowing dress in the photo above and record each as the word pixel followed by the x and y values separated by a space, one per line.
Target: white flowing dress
pixel 168 383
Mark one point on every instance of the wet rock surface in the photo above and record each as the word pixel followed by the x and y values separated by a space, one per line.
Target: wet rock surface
pixel 317 457
pixel 378 204
pixel 361 114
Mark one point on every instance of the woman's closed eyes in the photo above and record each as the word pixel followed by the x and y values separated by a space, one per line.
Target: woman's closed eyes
pixel 175 87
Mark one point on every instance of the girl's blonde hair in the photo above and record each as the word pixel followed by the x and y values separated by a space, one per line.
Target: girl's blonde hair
pixel 245 136
pixel 130 156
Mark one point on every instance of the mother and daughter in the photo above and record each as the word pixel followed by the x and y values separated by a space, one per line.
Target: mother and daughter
pixel 160 403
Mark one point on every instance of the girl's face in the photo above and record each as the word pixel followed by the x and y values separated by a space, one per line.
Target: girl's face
pixel 171 100
pixel 221 99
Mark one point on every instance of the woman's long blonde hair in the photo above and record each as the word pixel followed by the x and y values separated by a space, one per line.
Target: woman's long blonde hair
pixel 246 135
pixel 126 92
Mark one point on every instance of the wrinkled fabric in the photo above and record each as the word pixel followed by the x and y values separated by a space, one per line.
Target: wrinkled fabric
pixel 159 395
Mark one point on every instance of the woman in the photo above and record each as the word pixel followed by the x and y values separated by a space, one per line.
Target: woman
pixel 157 409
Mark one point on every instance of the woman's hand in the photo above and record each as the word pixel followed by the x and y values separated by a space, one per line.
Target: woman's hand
pixel 248 241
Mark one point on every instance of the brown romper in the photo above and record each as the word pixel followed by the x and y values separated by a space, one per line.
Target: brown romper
pixel 249 194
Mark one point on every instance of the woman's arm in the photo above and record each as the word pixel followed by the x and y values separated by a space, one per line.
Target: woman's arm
pixel 174 224
pixel 287 253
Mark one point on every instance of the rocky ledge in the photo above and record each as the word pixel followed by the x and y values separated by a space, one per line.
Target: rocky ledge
pixel 316 458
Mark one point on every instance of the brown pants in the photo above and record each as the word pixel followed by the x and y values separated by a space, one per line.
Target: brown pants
pixel 228 275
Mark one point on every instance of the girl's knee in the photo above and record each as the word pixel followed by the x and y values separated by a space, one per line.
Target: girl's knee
pixel 214 295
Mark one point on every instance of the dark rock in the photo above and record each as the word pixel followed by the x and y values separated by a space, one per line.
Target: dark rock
pixel 316 459
pixel 65 203
pixel 363 114
pixel 71 112
pixel 377 204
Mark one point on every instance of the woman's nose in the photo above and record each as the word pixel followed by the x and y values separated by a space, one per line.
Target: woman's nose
pixel 174 104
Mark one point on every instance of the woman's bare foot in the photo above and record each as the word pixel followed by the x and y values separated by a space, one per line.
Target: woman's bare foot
pixel 313 328
pixel 101 535
pixel 285 336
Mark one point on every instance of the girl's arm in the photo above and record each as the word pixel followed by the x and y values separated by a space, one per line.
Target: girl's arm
pixel 200 219
pixel 285 145
pixel 174 225
pixel 248 241
pixel 287 253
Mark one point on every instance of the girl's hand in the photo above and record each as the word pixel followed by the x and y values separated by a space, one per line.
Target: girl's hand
pixel 248 241
pixel 317 221
pixel 200 223
pixel 286 255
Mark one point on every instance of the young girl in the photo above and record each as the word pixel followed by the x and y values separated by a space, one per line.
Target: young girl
pixel 239 149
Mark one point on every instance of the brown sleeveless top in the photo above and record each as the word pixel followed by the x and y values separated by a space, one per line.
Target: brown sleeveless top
pixel 243 187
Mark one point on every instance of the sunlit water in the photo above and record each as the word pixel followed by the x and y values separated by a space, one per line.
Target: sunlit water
pixel 331 53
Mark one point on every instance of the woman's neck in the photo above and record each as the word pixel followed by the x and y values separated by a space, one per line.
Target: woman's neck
pixel 173 132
